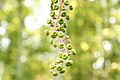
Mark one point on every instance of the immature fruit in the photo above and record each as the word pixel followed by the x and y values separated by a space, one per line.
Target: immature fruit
pixel 71 7
pixel 62 71
pixel 67 17
pixel 60 54
pixel 64 25
pixel 49 21
pixel 61 45
pixel 52 65
pixel 54 1
pixel 69 63
pixel 55 7
pixel 69 46
pixel 46 32
pixel 66 3
pixel 54 73
pixel 51 41
pixel 73 51
pixel 54 45
pixel 59 67
pixel 60 21
pixel 63 14
pixel 65 56
pixel 54 34
pixel 58 60
pixel 60 34
pixel 52 14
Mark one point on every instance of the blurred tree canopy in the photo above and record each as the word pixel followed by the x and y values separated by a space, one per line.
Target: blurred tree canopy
pixel 25 52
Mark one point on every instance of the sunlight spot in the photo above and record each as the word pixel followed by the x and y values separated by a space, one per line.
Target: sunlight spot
pixel 28 2
pixel 84 46
pixel 114 65
pixel 23 59
pixel 112 20
pixel 5 42
pixel 92 0
pixel 107 45
pixel 2 30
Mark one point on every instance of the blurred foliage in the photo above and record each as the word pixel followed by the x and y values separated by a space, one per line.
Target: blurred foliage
pixel 94 29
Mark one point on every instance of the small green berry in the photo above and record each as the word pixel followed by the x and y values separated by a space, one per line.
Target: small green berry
pixel 71 7
pixel 49 21
pixel 55 7
pixel 59 67
pixel 52 65
pixel 65 56
pixel 58 60
pixel 69 63
pixel 51 41
pixel 60 54
pixel 61 45
pixel 69 46
pixel 62 71
pixel 54 73
pixel 46 32
pixel 67 17
pixel 52 14
pixel 60 21
pixel 64 25
pixel 60 34
pixel 66 3
pixel 54 1
pixel 63 14
pixel 54 45
pixel 73 51
pixel 54 34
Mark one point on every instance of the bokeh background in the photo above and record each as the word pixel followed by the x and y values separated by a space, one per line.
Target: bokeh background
pixel 25 52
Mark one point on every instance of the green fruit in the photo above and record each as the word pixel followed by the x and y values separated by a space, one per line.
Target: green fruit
pixel 54 1
pixel 69 63
pixel 58 60
pixel 51 41
pixel 60 54
pixel 69 46
pixel 54 45
pixel 67 17
pixel 49 21
pixel 64 25
pixel 54 73
pixel 65 56
pixel 54 34
pixel 71 7
pixel 60 34
pixel 63 14
pixel 52 14
pixel 55 7
pixel 46 32
pixel 66 3
pixel 62 71
pixel 52 65
pixel 73 51
pixel 60 21
pixel 59 67
pixel 61 45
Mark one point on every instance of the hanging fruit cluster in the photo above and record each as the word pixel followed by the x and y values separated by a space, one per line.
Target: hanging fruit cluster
pixel 59 39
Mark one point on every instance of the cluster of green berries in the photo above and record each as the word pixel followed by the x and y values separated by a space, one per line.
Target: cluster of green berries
pixel 59 39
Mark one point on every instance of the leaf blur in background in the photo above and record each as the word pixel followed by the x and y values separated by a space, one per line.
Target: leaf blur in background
pixel 25 52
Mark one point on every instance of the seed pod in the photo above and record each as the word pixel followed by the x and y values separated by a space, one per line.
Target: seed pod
pixel 54 73
pixel 61 45
pixel 52 65
pixel 62 71
pixel 65 56
pixel 60 34
pixel 46 32
pixel 54 45
pixel 52 13
pixel 49 21
pixel 59 67
pixel 66 3
pixel 60 21
pixel 55 7
pixel 67 17
pixel 54 34
pixel 54 1
pixel 58 60
pixel 69 63
pixel 69 46
pixel 73 51
pixel 71 7
pixel 63 14
pixel 60 54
